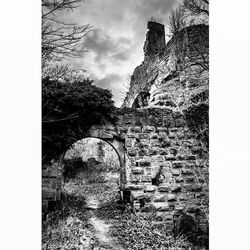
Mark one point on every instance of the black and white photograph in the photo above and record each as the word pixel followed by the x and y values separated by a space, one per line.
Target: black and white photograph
pixel 125 124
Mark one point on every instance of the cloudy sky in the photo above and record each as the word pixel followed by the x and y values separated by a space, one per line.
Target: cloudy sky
pixel 115 44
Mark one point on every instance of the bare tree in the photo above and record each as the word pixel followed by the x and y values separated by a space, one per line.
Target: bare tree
pixel 60 40
pixel 176 20
pixel 63 72
pixel 197 7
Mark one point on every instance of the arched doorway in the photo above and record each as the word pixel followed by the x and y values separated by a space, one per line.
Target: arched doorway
pixel 92 172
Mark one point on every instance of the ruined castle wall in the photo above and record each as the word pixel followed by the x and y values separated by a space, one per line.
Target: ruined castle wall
pixel 173 76
pixel 154 139
pixel 157 139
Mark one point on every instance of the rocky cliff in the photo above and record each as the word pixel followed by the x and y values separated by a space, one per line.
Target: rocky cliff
pixel 172 75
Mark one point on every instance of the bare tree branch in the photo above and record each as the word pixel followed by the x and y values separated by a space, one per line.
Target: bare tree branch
pixel 60 40
pixel 197 7
pixel 176 20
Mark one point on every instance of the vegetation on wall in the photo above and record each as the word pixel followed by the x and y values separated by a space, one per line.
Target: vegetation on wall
pixel 68 110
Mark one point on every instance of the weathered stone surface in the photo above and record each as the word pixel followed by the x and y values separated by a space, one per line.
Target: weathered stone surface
pixel 129 142
pixel 152 151
pixel 189 179
pixel 143 136
pixel 143 163
pixel 135 129
pixel 133 187
pixel 164 188
pixel 171 197
pixel 177 164
pixel 175 172
pixel 161 206
pixel 146 178
pixel 132 152
pixel 176 188
pixel 180 207
pixel 159 198
pixel 49 194
pixel 137 170
pixel 150 188
pixel 138 195
pixel 179 179
pixel 154 137
pixel 148 129
pixel 187 172
pixel 142 152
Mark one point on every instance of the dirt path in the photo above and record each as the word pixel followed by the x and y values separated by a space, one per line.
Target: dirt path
pixel 101 228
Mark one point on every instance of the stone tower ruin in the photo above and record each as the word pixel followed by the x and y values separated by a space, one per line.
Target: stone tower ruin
pixel 155 38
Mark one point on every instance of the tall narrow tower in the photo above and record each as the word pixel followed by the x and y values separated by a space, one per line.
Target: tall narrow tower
pixel 155 38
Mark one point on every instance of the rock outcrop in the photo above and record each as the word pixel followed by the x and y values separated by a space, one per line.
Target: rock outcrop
pixel 174 75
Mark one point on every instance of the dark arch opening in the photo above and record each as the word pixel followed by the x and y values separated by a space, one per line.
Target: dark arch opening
pixel 92 171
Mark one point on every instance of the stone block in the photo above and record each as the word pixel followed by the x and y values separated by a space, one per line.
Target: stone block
pixel 146 178
pixel 132 152
pixel 193 209
pixel 135 129
pixel 163 151
pixel 135 178
pixel 59 183
pixel 131 135
pixel 150 188
pixel 192 187
pixel 176 188
pixel 159 198
pixel 154 143
pixel 161 158
pixel 142 152
pixel 182 197
pixel 53 184
pixel 143 136
pixel 180 207
pixel 161 206
pixel 154 136
pixel 190 158
pixel 144 163
pixel 48 194
pixel 165 143
pixel 161 129
pixel 187 172
pixel 148 129
pixel 152 151
pixel 170 158
pixel 148 208
pixel 136 195
pixel 164 187
pixel 171 135
pixel 137 170
pixel 189 179
pixel 134 187
pixel 171 197
pixel 175 172
pixel 177 164
pixel 179 179
pixel 168 177
pixel 173 151
pixel 129 142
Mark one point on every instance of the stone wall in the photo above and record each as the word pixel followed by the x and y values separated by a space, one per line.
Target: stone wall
pixel 154 140
pixel 159 140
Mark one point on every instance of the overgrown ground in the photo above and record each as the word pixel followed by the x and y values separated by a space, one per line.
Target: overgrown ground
pixel 90 217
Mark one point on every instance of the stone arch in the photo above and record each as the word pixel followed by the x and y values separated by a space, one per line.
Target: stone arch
pixel 108 133
pixel 119 148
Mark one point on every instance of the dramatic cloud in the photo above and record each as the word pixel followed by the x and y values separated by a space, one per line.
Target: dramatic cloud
pixel 104 46
pixel 115 44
